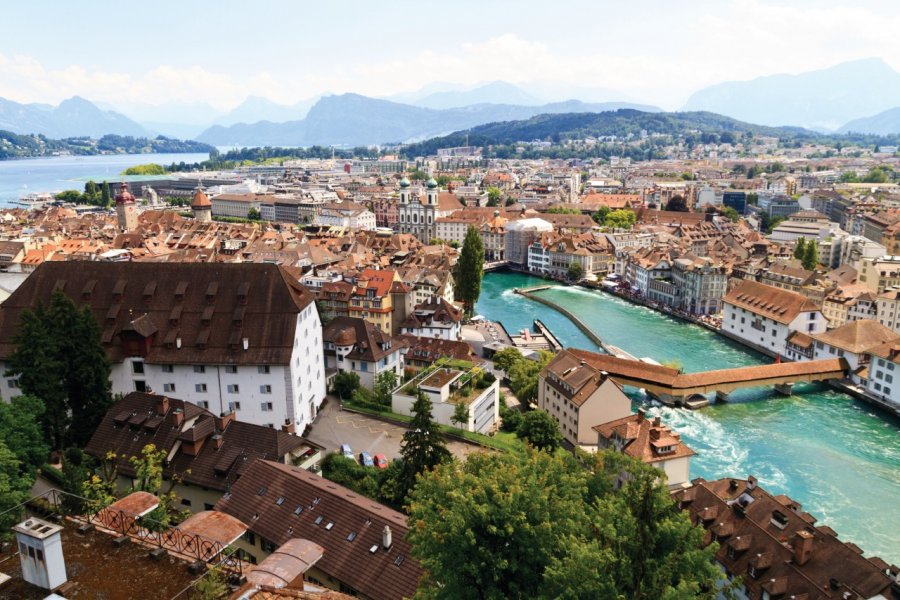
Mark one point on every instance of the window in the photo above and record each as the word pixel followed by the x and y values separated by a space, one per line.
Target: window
pixel 207 506
pixel 140 386
pixel 169 387
pixel 185 502
pixel 266 545
pixel 263 369
pixel 200 388
pixel 199 369
pixel 887 391
pixel 203 404
pixel 265 389
pixel 363 366
pixel 888 378
pixel 234 406
pixel 13 383
pixel 265 406
pixel 168 368
pixel 231 369
pixel 233 388
pixel 137 367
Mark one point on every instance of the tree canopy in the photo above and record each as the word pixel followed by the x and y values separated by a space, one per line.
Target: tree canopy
pixel 20 429
pixel 810 255
pixel 620 219
pixel 575 270
pixel 469 269
pixel 800 248
pixel 539 525
pixel 59 359
pixel 540 430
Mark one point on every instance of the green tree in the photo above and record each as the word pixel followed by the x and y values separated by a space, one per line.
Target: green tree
pixel 732 214
pixel 254 215
pixel 506 358
pixel 91 191
pixel 211 587
pixel 575 271
pixel 539 525
pixel 540 430
pixel 69 196
pixel 385 383
pixel 20 429
pixel 461 415
pixel 469 270
pixel 15 487
pixel 810 256
pixel 510 417
pixel 599 217
pixel 523 376
pixel 422 447
pixel 620 219
pixel 494 196
pixel 876 175
pixel 59 359
pixel 105 196
pixel 800 248
pixel 75 472
pixel 345 383
pixel 677 204
pixel 148 471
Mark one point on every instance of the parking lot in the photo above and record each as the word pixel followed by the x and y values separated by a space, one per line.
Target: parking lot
pixel 334 427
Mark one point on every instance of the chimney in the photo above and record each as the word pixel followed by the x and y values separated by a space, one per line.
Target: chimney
pixel 751 483
pixel 162 406
pixel 179 417
pixel 225 418
pixel 386 539
pixel 657 422
pixel 288 426
pixel 641 413
pixel 803 543
pixel 218 440
pixel 654 434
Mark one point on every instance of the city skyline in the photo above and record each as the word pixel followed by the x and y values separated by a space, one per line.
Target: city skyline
pixel 650 52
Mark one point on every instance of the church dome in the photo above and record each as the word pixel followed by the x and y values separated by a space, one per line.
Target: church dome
pixel 404 183
pixel 431 184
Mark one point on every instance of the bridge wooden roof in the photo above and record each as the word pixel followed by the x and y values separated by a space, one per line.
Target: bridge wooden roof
pixel 632 372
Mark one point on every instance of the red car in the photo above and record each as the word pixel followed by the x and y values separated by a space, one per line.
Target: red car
pixel 381 462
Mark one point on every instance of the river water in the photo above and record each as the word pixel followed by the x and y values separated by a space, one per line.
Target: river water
pixel 833 454
pixel 54 174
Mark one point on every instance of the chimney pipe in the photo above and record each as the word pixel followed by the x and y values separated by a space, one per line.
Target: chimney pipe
pixel 288 426
pixel 218 440
pixel 751 483
pixel 179 417
pixel 803 543
pixel 225 419
pixel 386 539
pixel 640 415
pixel 162 406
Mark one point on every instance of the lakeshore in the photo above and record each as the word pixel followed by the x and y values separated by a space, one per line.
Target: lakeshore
pixel 816 446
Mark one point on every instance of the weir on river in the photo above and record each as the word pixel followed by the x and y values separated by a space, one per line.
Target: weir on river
pixel 835 455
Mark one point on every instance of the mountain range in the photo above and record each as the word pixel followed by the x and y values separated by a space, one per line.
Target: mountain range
pixel 75 117
pixel 824 100
pixel 355 120
pixel 861 96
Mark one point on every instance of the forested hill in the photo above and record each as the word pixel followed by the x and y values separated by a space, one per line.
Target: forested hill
pixel 13 145
pixel 701 126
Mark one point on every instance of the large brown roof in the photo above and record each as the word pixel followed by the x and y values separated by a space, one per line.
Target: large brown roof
pixel 777 304
pixel 756 529
pixel 857 336
pixel 368 341
pixel 140 419
pixel 281 502
pixel 209 307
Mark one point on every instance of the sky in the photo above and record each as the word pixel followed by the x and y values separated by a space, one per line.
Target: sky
pixel 218 53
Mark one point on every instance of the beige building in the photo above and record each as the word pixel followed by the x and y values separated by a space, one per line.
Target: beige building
pixel 880 273
pixel 580 396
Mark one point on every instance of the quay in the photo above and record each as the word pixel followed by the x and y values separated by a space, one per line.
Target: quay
pixel 609 349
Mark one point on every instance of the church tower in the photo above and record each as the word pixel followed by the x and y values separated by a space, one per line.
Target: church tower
pixel 404 191
pixel 431 192
pixel 126 209
pixel 201 206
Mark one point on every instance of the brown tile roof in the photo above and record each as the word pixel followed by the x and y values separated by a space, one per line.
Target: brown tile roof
pixel 643 438
pixel 770 534
pixel 857 336
pixel 380 574
pixel 220 305
pixel 777 304
pixel 369 342
pixel 576 375
pixel 423 349
pixel 140 419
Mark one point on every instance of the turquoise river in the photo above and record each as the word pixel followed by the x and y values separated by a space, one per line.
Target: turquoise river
pixel 833 454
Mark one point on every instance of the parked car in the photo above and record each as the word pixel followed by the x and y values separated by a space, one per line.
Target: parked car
pixel 381 461
pixel 346 450
pixel 365 459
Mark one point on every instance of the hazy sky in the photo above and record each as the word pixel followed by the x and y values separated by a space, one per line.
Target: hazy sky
pixel 220 52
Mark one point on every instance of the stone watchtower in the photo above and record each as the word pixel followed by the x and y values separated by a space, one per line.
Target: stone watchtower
pixel 126 209
pixel 201 206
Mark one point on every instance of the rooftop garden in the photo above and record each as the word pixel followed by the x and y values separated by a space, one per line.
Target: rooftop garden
pixel 464 389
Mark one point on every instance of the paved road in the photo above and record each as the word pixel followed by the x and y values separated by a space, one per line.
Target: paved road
pixel 334 427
